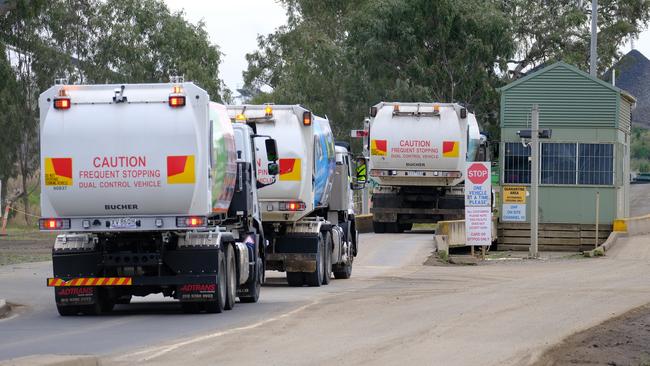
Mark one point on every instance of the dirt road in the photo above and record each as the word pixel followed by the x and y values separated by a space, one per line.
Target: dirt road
pixel 506 313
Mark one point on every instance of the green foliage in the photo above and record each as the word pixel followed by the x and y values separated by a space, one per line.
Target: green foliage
pixel 89 41
pixel 552 30
pixel 640 150
pixel 340 57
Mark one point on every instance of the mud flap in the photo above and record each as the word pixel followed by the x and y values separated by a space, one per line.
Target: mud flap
pixel 69 296
pixel 297 252
pixel 197 292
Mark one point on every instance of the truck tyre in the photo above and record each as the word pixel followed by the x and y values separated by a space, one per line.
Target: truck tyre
pixel 254 286
pixel 217 305
pixel 315 279
pixel 231 280
pixel 67 310
pixel 378 227
pixel 327 259
pixel 343 271
pixel 295 279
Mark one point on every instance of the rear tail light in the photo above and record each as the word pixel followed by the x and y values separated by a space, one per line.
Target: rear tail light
pixel 191 221
pixel 176 101
pixel 306 118
pixel 62 103
pixel 292 206
pixel 54 224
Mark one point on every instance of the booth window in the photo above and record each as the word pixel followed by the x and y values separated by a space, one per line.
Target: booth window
pixel 558 163
pixel 517 163
pixel 596 164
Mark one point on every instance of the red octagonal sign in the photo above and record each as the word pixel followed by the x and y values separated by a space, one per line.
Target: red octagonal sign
pixel 477 173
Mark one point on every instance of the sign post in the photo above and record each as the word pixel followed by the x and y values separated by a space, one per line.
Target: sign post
pixel 478 204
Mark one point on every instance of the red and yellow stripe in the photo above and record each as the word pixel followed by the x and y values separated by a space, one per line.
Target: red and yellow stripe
pixel 93 281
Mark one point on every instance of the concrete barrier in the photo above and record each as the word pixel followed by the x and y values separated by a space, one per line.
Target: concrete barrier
pixel 364 223
pixel 633 225
pixel 454 231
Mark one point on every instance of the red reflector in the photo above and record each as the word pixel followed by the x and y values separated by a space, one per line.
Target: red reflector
pixel 54 224
pixel 177 101
pixel 190 221
pixel 306 118
pixel 62 103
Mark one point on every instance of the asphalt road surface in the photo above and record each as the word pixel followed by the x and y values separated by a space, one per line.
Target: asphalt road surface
pixel 38 329
pixel 393 311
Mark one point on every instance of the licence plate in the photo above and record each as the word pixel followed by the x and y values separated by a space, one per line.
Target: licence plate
pixel 124 223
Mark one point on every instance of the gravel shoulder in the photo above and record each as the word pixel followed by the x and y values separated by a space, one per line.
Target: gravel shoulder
pixel 624 340
pixel 22 246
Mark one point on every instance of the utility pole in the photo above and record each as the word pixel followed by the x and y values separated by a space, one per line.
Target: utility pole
pixel 534 183
pixel 594 38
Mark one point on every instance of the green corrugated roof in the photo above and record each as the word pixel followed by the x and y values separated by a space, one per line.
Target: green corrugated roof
pixel 574 69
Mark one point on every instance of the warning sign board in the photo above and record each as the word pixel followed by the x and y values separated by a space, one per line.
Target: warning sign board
pixel 514 194
pixel 513 212
pixel 478 204
pixel 478 226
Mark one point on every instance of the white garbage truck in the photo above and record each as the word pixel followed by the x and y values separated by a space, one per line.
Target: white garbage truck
pixel 417 154
pixel 308 214
pixel 153 190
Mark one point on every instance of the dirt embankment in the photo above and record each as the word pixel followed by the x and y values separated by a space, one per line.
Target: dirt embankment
pixel 21 247
pixel 624 340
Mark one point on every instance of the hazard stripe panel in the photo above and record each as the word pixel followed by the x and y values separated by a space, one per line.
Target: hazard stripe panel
pixel 93 281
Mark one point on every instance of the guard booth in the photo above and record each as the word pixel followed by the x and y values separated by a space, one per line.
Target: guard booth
pixel 587 159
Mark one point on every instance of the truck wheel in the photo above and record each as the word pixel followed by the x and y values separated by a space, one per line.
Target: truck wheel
pixel 378 227
pixel 343 271
pixel 295 279
pixel 217 305
pixel 315 279
pixel 254 287
pixel 67 310
pixel 231 280
pixel 327 259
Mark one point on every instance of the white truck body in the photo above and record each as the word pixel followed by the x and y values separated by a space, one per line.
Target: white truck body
pixel 419 147
pixel 140 158
pixel 307 213
pixel 306 160
pixel 417 154
pixel 155 191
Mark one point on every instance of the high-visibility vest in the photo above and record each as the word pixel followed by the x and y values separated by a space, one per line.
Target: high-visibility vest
pixel 361 172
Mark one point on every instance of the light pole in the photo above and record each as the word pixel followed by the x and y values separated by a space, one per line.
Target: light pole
pixel 594 38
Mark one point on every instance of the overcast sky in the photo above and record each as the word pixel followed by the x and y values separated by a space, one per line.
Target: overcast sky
pixel 235 25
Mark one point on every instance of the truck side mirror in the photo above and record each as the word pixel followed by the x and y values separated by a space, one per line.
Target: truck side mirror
pixel 271 150
pixel 273 168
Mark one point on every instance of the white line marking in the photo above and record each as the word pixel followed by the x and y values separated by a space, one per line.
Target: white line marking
pixel 159 351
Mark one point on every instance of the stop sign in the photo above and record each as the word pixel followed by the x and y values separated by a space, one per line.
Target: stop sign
pixel 477 173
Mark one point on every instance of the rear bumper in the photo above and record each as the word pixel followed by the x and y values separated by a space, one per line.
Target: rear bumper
pixel 91 290
pixel 130 281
